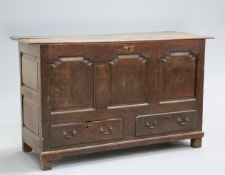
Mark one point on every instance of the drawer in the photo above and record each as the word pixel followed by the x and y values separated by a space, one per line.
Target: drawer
pixel 84 132
pixel 167 122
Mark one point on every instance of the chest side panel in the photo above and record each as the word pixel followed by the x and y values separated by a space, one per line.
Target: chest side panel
pixel 30 94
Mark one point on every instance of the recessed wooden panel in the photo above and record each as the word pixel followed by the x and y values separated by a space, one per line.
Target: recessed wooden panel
pixel 73 83
pixel 178 76
pixel 30 71
pixel 129 77
pixel 30 115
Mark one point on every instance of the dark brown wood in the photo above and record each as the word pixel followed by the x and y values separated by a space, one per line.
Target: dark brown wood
pixel 26 148
pixel 85 97
pixel 68 94
pixel 196 143
pixel 79 150
pixel 45 164
pixel 178 74
pixel 31 139
pixel 90 131
pixel 129 77
pixel 166 123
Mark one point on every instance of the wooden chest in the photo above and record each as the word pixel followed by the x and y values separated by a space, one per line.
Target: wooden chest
pixel 86 94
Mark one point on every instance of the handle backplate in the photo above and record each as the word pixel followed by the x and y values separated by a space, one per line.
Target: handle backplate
pixel 152 125
pixel 101 129
pixel 182 121
pixel 69 135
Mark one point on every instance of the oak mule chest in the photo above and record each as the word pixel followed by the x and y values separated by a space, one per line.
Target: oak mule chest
pixel 85 94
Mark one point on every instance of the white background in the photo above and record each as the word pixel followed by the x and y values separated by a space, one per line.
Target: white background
pixel 70 17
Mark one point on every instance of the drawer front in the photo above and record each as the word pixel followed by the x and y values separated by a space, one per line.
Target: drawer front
pixel 165 123
pixel 76 133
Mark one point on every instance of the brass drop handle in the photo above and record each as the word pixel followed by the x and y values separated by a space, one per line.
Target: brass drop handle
pixel 106 132
pixel 182 121
pixel 129 48
pixel 152 125
pixel 69 135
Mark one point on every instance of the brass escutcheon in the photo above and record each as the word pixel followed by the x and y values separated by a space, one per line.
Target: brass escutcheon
pixel 129 48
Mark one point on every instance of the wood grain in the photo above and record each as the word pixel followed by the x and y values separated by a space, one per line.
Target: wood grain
pixel 151 36
pixel 97 93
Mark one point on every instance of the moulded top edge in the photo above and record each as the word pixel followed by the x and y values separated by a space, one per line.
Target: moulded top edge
pixel 150 36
